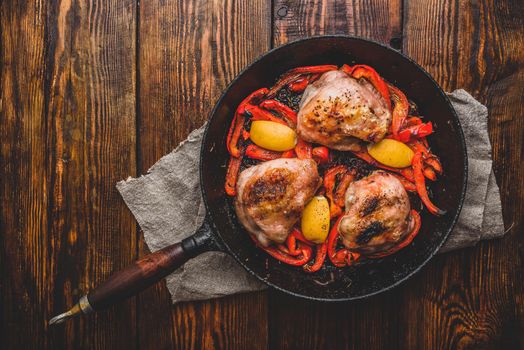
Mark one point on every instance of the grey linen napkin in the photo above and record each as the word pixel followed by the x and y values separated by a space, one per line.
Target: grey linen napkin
pixel 167 204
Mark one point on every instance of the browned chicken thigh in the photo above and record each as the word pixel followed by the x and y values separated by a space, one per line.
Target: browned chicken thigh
pixel 338 111
pixel 377 214
pixel 271 196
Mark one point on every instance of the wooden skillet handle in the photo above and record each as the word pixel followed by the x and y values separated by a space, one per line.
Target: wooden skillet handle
pixel 141 274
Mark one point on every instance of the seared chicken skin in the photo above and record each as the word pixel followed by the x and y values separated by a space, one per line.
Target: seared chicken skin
pixel 271 196
pixel 338 111
pixel 377 214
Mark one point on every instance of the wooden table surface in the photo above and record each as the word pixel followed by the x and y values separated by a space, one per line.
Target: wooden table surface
pixel 95 91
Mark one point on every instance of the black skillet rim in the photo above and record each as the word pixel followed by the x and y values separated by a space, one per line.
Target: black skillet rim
pixel 444 237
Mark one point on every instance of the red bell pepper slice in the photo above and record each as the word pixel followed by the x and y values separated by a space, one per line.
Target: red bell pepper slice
pixel 414 231
pixel 411 121
pixel 234 134
pixel 296 73
pixel 255 152
pixel 434 162
pixel 312 69
pixel 321 155
pixel 299 85
pixel 408 185
pixel 415 131
pixel 364 155
pixel 281 109
pixel 303 149
pixel 289 154
pixel 299 260
pixel 363 71
pixel 297 234
pixel 284 81
pixel 400 109
pixel 258 113
pixel 352 257
pixel 320 257
pixel 232 175
pixel 429 173
pixel 340 194
pixel 420 183
pixel 237 126
pixel 346 69
pixel 330 177
pixel 338 258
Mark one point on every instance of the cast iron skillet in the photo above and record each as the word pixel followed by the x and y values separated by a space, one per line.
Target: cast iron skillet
pixel 221 229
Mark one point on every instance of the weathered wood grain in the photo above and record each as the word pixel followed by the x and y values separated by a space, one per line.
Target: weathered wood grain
pixel 90 114
pixel 188 52
pixel 68 108
pixel 473 298
pixel 24 250
pixel 379 20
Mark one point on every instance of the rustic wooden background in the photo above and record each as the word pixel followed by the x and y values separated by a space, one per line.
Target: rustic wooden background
pixel 94 91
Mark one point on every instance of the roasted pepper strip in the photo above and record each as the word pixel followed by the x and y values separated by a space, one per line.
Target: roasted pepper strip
pixel 299 236
pixel 303 149
pixel 363 71
pixel 281 109
pixel 279 253
pixel 299 260
pixel 285 80
pixel 234 134
pixel 299 85
pixel 330 177
pixel 232 175
pixel 320 257
pixel 429 173
pixel 321 154
pixel 434 162
pixel 420 183
pixel 291 244
pixel 415 131
pixel 258 113
pixel 352 257
pixel 312 69
pixel 408 185
pixel 289 154
pixel 295 74
pixel 416 228
pixel 237 126
pixel 337 258
pixel 411 121
pixel 364 155
pixel 340 193
pixel 255 152
pixel 346 69
pixel 400 109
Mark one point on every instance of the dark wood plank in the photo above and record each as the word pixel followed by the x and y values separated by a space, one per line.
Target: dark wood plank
pixel 473 298
pixel 24 251
pixel 68 100
pixel 372 324
pixel 379 20
pixel 189 51
pixel 91 144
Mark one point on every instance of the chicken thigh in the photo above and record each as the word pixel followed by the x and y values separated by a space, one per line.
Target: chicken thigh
pixel 271 196
pixel 338 111
pixel 377 214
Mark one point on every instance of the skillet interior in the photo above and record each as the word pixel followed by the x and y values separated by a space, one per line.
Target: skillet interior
pixel 448 142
